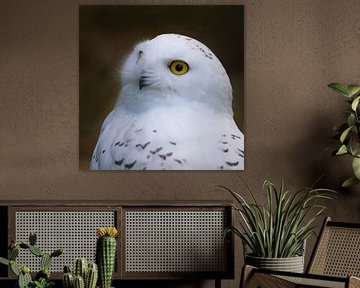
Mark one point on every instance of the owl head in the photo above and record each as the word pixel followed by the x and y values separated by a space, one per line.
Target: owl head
pixel 170 69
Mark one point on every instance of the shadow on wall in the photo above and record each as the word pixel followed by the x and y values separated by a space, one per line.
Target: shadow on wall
pixel 108 34
pixel 329 170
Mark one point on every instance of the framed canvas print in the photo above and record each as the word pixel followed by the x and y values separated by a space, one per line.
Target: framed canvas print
pixel 161 87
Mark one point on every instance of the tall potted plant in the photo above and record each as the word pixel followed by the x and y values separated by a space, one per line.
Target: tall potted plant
pixel 348 133
pixel 276 233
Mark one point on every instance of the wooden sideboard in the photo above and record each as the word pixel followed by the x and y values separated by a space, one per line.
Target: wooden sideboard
pixel 157 240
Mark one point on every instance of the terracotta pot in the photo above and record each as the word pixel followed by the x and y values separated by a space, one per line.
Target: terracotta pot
pixel 291 264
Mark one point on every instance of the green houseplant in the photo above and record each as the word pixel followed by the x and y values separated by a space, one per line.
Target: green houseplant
pixel 279 229
pixel 348 133
pixel 42 278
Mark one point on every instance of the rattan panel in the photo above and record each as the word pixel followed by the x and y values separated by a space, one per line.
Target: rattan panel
pixel 313 282
pixel 175 241
pixel 75 231
pixel 338 253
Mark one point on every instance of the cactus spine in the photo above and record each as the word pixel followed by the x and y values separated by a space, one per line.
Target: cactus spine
pixel 106 254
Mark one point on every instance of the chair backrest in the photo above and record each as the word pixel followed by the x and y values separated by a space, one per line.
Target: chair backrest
pixel 337 251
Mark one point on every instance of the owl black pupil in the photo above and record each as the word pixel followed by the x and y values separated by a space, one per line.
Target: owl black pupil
pixel 179 67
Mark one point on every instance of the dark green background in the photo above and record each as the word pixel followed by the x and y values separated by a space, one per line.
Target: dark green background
pixel 108 33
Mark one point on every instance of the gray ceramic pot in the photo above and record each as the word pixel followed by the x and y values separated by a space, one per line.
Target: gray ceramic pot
pixel 291 264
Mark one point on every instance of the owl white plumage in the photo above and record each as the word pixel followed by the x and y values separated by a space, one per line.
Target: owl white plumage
pixel 174 112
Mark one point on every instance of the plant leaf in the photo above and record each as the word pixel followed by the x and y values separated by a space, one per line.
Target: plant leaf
pixel 340 89
pixel 342 150
pixel 351 120
pixel 345 134
pixel 353 89
pixel 4 261
pixel 349 182
pixel 354 144
pixel 355 103
pixel 356 167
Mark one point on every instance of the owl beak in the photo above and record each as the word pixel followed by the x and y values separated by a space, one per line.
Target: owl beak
pixel 143 82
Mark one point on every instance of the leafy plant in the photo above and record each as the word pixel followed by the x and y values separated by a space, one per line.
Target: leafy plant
pixel 348 132
pixel 43 283
pixel 279 229
pixel 42 278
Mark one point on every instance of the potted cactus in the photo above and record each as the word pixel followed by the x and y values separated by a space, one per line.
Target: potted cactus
pixel 106 254
pixel 42 278
pixel 84 275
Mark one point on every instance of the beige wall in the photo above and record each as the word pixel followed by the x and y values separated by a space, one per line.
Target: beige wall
pixel 293 49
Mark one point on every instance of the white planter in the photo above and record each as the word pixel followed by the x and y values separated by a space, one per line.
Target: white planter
pixel 291 264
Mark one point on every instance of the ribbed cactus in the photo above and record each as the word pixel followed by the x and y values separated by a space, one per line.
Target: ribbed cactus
pixel 106 254
pixel 91 276
pixel 79 282
pixel 87 272
pixel 80 267
pixel 68 280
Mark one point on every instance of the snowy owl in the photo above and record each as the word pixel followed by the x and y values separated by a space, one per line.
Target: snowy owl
pixel 174 111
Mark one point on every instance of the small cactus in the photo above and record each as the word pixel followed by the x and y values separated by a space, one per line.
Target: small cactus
pixel 81 266
pixel 42 278
pixel 57 252
pixel 14 268
pixel 84 274
pixel 32 238
pixel 36 251
pixel 24 245
pixel 13 253
pixel 45 261
pixel 91 276
pixel 24 277
pixel 68 280
pixel 79 282
pixel 106 254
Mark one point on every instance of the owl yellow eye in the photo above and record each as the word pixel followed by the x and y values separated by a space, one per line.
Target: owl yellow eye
pixel 179 67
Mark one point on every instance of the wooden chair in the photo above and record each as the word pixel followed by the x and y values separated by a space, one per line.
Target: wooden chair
pixel 335 262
